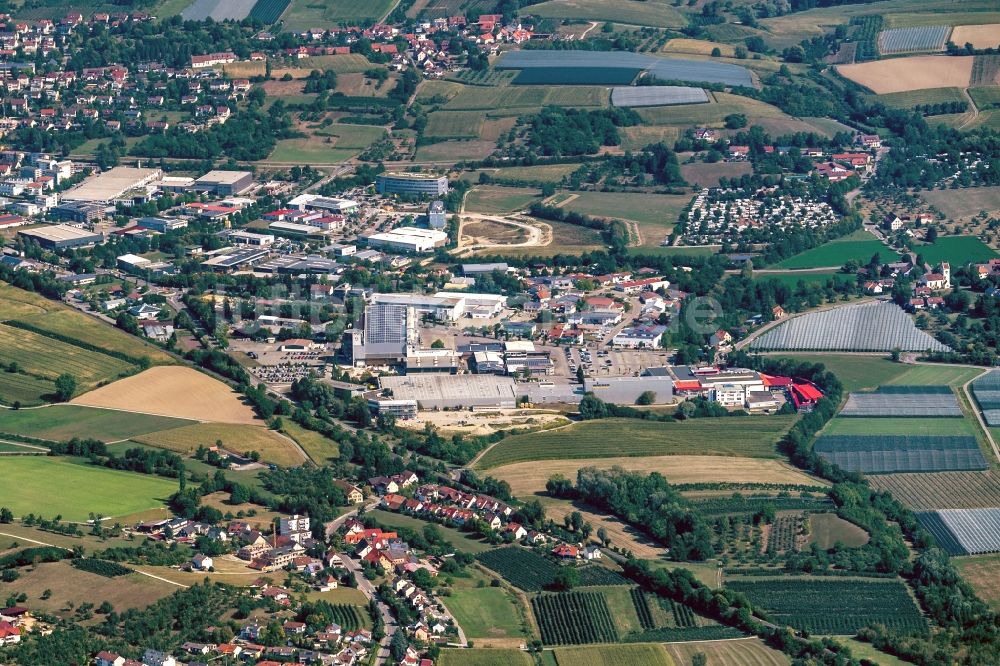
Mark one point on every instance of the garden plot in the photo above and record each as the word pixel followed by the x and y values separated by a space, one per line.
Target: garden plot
pixel 900 404
pixel 873 326
pixel 913 40
pixel 964 531
pixel 888 454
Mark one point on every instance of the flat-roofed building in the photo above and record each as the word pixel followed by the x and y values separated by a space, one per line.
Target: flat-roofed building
pixel 400 409
pixel 236 260
pixel 224 183
pixel 408 239
pixel 317 202
pixel 241 237
pixel 162 224
pixel 81 212
pixel 108 186
pixel 133 263
pixel 294 229
pixel 444 308
pixel 384 334
pixel 427 184
pixel 439 390
pixel 61 236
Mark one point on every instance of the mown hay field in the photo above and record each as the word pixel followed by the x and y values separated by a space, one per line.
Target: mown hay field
pixel 494 199
pixel 972 201
pixel 176 391
pixel 750 436
pixel 484 657
pixel 455 124
pixel 631 12
pixel 912 98
pixel 319 448
pixel 647 654
pixel 913 73
pixel 238 438
pixel 528 478
pixel 981 572
pixel 730 653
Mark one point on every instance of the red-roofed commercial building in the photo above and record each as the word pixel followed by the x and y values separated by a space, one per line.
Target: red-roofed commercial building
pixel 805 396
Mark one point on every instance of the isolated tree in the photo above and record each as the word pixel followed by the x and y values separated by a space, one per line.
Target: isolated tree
pixel 603 535
pixel 437 344
pixel 65 387
pixel 6 515
pixel 699 659
pixel 566 579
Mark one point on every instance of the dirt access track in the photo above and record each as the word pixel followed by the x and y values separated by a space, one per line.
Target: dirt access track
pixel 536 235
pixel 173 391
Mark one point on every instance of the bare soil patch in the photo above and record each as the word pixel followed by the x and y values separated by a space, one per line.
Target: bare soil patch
pixel 488 231
pixel 173 391
pixel 913 73
pixel 980 36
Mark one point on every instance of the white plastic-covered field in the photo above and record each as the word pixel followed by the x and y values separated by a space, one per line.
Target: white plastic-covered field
pixel 657 95
pixel 875 326
pixel 913 40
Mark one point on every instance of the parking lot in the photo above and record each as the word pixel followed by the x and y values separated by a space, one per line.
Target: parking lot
pixel 609 362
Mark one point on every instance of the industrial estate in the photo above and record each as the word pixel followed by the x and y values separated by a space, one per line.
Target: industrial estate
pixel 560 333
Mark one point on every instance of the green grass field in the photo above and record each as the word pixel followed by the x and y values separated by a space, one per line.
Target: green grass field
pixel 58 486
pixel 957 250
pixel 646 654
pixel 494 199
pixel 25 389
pixel 792 279
pixel 483 612
pixel 751 436
pixel 861 371
pixel 46 357
pixel 936 374
pixel 911 98
pixel 64 321
pixel 516 100
pixel 898 426
pixel 63 422
pixel 649 209
pixel 986 96
pixel 548 173
pixel 484 657
pixel 826 529
pixel 972 201
pixel 859 246
pixel 335 143
pixel 454 124
pixel 458 539
pixel 321 449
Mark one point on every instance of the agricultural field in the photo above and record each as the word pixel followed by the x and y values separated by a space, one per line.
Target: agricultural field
pixel 458 539
pixel 913 40
pixel 890 454
pixel 319 448
pixel 484 657
pixel 828 529
pixel 972 201
pixel 985 97
pixel 521 567
pixel 729 653
pixel 704 174
pixel 854 372
pixel 507 100
pixel 177 391
pixel 494 199
pixel 565 76
pixel 268 11
pixel 942 490
pixel 751 436
pixel 47 358
pixel 931 374
pixel 235 437
pixel 547 173
pixel 454 124
pixel 559 238
pixel 640 136
pixel 833 606
pixel 450 151
pixel 305 14
pixel 698 47
pixel 981 572
pixel 898 426
pixel 958 250
pixel 865 327
pixel 911 73
pixel 964 531
pixel 71 587
pixel 24 389
pixel 912 98
pixel 646 654
pixel 528 478
pixel 712 114
pixel 655 210
pixel 980 36
pixel 657 96
pixel 63 422
pixel 860 246
pixel 64 486
pixel 332 144
pixel 218 10
pixel 904 402
pixel 792 280
pixel 574 618
pixel 631 12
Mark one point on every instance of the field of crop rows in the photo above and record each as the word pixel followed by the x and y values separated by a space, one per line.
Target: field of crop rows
pixel 268 11
pixel 574 618
pixel 783 534
pixel 942 490
pixel 567 76
pixel 878 326
pixel 911 40
pixel 219 10
pixel 657 95
pixel 833 606
pixel 888 454
pixel 524 568
pixel 964 531
pixel 900 403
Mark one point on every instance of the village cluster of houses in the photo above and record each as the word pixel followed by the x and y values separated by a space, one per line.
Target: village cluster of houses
pixel 930 281
pixel 718 216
